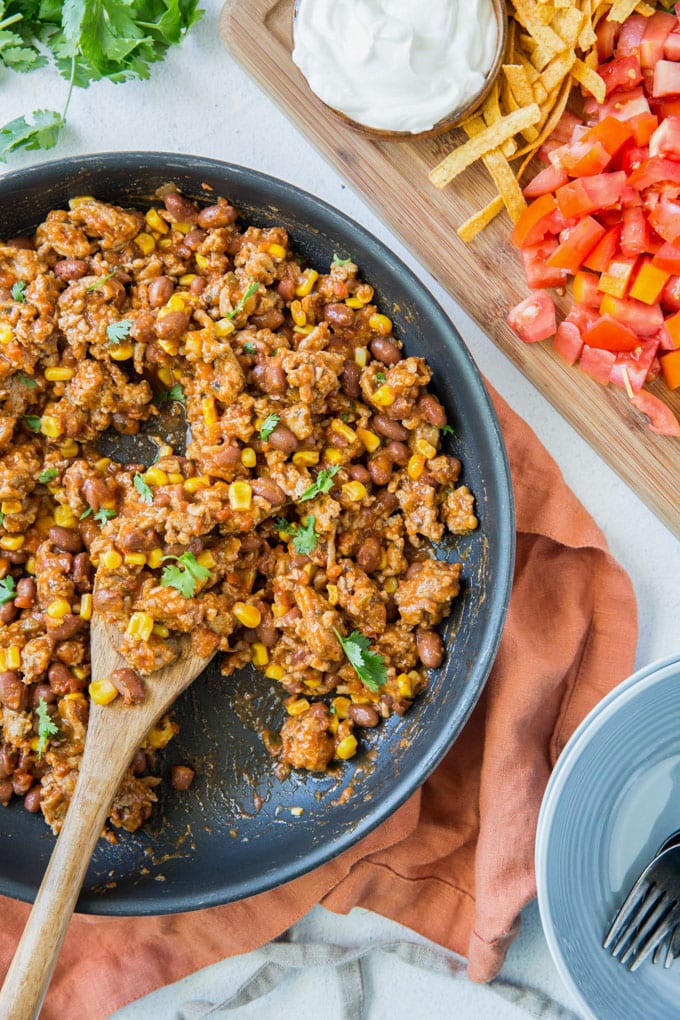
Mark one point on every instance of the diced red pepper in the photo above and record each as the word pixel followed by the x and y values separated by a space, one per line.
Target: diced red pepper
pixel 609 335
pixel 645 320
pixel 575 248
pixel 670 369
pixel 643 127
pixel 661 418
pixel 672 327
pixel 534 318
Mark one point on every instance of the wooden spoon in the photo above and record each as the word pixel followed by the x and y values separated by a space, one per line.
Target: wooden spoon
pixel 114 733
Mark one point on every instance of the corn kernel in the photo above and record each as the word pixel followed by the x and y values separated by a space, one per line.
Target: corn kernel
pixel 341 707
pixel 332 455
pixel 102 692
pixel 405 685
pixel 193 343
pixel 248 457
pixel 415 466
pixel 112 559
pixel 58 609
pixel 43 525
pixel 427 450
pixel 384 396
pixel 65 517
pixel 383 560
pixel 155 476
pixel 259 656
pixel 206 559
pixel 78 200
pixel 277 251
pixel 354 491
pixel 248 616
pixel 240 496
pixel 140 625
pixel 298 314
pixel 370 440
pixel 165 375
pixel 201 261
pixel 69 449
pixel 380 323
pixel 361 356
pixel 30 565
pixel 154 558
pixel 279 610
pixel 160 630
pixel 12 542
pixel 13 657
pixel 85 610
pixel 175 478
pixel 50 427
pixel 192 485
pixel 135 559
pixel 312 682
pixel 334 726
pixel 3 660
pixel 332 593
pixel 303 330
pixel 59 374
pixel 274 671
pixel 306 458
pixel 224 327
pixel 170 347
pixel 341 429
pixel 11 506
pixel 304 288
pixel 165 243
pixel 122 352
pixel 177 303
pixel 182 226
pixel 145 243
pixel 297 706
pixel 187 279
pixel 6 333
pixel 102 463
pixel 156 222
pixel 347 748
pixel 354 302
pixel 161 735
pixel 209 410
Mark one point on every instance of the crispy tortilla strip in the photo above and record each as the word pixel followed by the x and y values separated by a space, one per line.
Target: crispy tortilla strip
pixel 558 108
pixel 590 80
pixel 518 80
pixel 501 172
pixel 491 112
pixel 568 25
pixel 557 70
pixel 525 13
pixel 466 231
pixel 490 138
pixel 646 10
pixel 545 11
pixel 622 9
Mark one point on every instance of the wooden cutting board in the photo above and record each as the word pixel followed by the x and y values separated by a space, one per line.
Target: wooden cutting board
pixel 485 277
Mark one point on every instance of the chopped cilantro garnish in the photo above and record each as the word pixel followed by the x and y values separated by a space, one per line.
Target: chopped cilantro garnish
pixel 337 261
pixel 8 589
pixel 46 726
pixel 103 515
pixel 240 304
pixel 368 665
pixel 18 290
pixel 97 283
pixel 380 377
pixel 116 332
pixel 268 426
pixel 284 526
pixel 2 518
pixel 85 513
pixel 26 380
pixel 173 393
pixel 306 539
pixel 184 574
pixel 249 347
pixel 446 430
pixel 47 475
pixel 323 483
pixel 142 488
pixel 33 422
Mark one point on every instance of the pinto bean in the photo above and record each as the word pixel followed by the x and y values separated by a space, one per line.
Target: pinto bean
pixel 380 468
pixel 198 285
pixel 389 428
pixel 160 291
pixel 71 269
pixel 217 216
pixel 358 473
pixel 81 572
pixel 430 648
pixel 369 554
pixel 69 626
pixel 22 781
pixel 181 777
pixel 12 690
pixel 281 438
pixel 108 600
pixel 16 557
pixel 65 539
pixel 26 589
pixel 8 612
pixel 139 763
pixel 274 379
pixel 365 716
pixel 172 326
pixel 271 319
pixel 227 454
pixel 339 314
pixel 6 792
pixel 8 761
pixel 129 685
pixel 138 540
pixel 21 242
pixel 384 350
pixel 195 238
pixel 350 378
pixel 385 502
pixel 267 633
pixel 32 799
pixel 398 452
pixel 430 408
pixel 62 680
pixel 96 492
pixel 267 488
pixel 286 288
pixel 181 209
pixel 42 692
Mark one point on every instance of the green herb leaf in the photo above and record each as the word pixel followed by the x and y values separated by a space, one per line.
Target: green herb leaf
pixel 285 526
pixel 306 538
pixel 46 726
pixel 85 513
pixel 337 261
pixel 268 426
pixel 173 393
pixel 249 347
pixel 323 483
pixel 8 589
pixel 116 332
pixel 18 290
pixel 2 518
pixel 368 665
pixel 380 377
pixel 97 283
pixel 184 574
pixel 41 134
pixel 446 430
pixel 248 293
pixel 103 515
pixel 33 422
pixel 142 488
pixel 47 475
pixel 27 380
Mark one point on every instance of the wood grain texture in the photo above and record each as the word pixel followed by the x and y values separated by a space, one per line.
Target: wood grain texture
pixel 485 277
pixel 114 733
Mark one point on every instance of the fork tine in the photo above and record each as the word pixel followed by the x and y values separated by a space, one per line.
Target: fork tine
pixel 635 918
pixel 647 932
pixel 664 944
pixel 636 896
pixel 657 934
pixel 670 955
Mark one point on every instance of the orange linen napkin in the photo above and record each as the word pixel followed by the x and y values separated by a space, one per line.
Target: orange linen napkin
pixel 456 861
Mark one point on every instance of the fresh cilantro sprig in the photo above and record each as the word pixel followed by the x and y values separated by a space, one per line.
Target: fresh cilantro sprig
pixel 249 347
pixel 285 527
pixel 323 483
pixel 240 304
pixel 102 515
pixel 46 726
pixel 368 665
pixel 142 488
pixel 380 377
pixel 47 475
pixel 116 332
pixel 33 422
pixel 184 574
pixel 19 290
pixel 268 426
pixel 26 380
pixel 175 392
pixel 306 539
pixel 99 281
pixel 8 589
pixel 446 430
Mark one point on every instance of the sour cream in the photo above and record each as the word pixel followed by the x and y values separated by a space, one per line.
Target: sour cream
pixel 396 65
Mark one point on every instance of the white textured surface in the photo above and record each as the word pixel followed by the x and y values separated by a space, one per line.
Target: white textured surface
pixel 200 101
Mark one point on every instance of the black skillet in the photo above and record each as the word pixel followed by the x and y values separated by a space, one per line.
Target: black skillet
pixel 237 831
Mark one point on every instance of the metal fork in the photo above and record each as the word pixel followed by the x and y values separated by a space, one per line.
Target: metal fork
pixel 650 911
pixel 669 947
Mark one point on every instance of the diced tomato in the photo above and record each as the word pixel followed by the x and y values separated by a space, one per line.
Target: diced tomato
pixel 664 218
pixel 582 317
pixel 658 27
pixel 649 283
pixel 585 289
pixel 607 33
pixel 545 181
pixel 534 318
pixel 609 335
pixel 631 368
pixel 603 252
pixel 567 342
pixel 670 298
pixel 661 418
pixel 635 233
pixel 625 105
pixel 672 329
pixel 564 128
pixel 597 363
pixel 611 132
pixel 666 139
pixel 583 158
pixel 643 128
pixel 617 276
pixel 530 227
pixel 668 258
pixel 575 248
pixel 666 79
pixel 633 158
pixel 645 320
pixel 656 170
pixel 671 48
pixel 537 272
pixel 670 369
pixel 667 107
pixel 630 35
pixel 622 73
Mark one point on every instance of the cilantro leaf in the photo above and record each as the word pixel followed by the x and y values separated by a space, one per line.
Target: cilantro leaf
pixel 118 331
pixel 41 134
pixel 47 475
pixel 184 574
pixel 446 430
pixel 8 589
pixel 337 261
pixel 98 282
pixel 18 290
pixel 285 526
pixel 103 515
pixel 33 422
pixel 268 426
pixel 306 539
pixel 323 483
pixel 26 380
pixel 85 513
pixel 240 304
pixel 142 488
pixel 380 377
pixel 173 393
pixel 368 665
pixel 46 726
pixel 2 518
pixel 249 347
